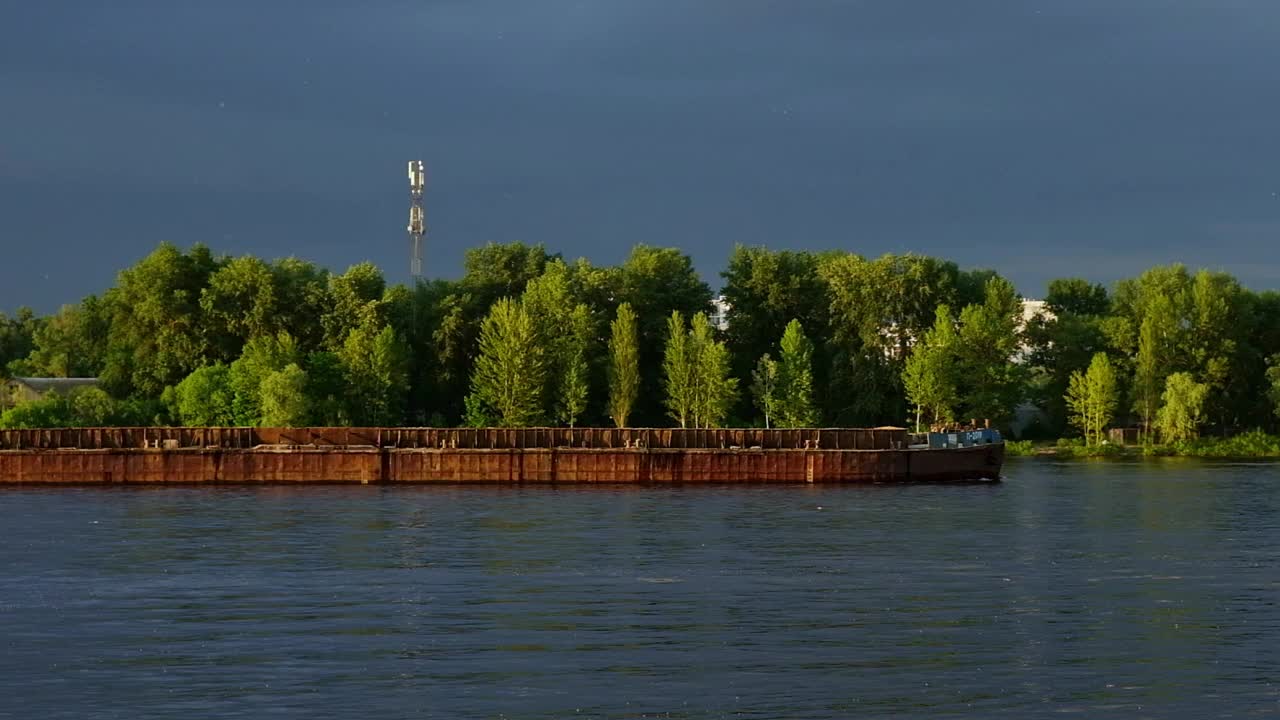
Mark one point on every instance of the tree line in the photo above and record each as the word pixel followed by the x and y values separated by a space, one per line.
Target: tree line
pixel 525 337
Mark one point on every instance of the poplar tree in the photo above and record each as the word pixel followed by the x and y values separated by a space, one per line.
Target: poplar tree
pixel 795 373
pixel 510 371
pixel 573 385
pixel 764 387
pixel 548 301
pixel 624 365
pixel 1146 380
pixel 930 373
pixel 1092 398
pixel 699 382
pixel 678 371
pixel 715 389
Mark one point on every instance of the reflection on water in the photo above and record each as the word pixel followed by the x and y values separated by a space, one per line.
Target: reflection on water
pixel 1102 589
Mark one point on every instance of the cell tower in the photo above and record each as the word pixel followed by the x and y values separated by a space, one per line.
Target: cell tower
pixel 417 216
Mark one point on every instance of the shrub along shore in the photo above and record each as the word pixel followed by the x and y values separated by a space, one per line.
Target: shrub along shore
pixel 524 337
pixel 1246 446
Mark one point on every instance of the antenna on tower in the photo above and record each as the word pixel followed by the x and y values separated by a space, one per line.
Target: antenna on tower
pixel 417 216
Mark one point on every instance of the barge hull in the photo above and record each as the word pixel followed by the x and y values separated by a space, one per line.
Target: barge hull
pixel 383 465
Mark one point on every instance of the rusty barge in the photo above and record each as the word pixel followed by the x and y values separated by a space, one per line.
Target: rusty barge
pixel 158 455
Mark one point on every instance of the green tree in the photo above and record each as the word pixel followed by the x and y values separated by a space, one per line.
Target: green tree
pixel 17 337
pixel 1076 296
pixel 930 373
pixel 82 407
pixel 156 336
pixel 51 411
pixel 1148 370
pixel 891 300
pixel 574 383
pixel 1273 384
pixel 655 282
pixel 624 365
pixel 355 301
pixel 1092 398
pixel 499 270
pixel 204 398
pixel 453 340
pixel 990 383
pixel 375 364
pixel 72 343
pixel 764 387
pixel 795 378
pixel 1158 343
pixel 261 357
pixel 1062 341
pixel 92 407
pixel 510 371
pixel 239 302
pixel 302 300
pixel 1180 416
pixel 326 389
pixel 679 367
pixel 457 311
pixel 699 383
pixel 284 398
pixel 1157 307
pixel 878 309
pixel 715 388
pixel 765 290
pixel 565 332
pixel 1216 338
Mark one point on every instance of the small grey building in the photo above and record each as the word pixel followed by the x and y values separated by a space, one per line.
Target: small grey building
pixel 18 390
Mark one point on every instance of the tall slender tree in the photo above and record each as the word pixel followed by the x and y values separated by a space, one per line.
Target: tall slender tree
pixel 764 387
pixel 678 367
pixel 930 373
pixel 550 307
pixel 510 371
pixel 573 385
pixel 1092 398
pixel 624 365
pixel 795 379
pixel 715 388
pixel 1147 372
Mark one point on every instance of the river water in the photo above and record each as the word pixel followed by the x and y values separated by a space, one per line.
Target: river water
pixel 1092 589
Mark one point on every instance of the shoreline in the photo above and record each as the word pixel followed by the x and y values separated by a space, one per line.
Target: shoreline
pixel 1242 448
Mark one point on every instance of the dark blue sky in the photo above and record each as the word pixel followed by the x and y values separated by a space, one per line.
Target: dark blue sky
pixel 1041 138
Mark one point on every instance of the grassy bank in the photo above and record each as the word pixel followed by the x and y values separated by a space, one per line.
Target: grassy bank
pixel 1251 445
